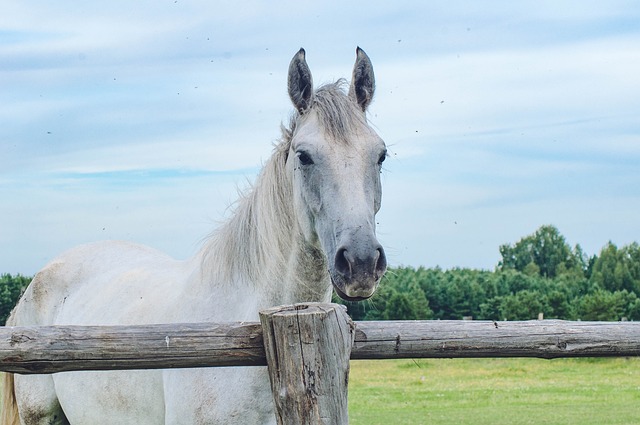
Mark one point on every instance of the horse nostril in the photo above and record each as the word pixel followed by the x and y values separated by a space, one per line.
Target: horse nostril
pixel 373 264
pixel 381 263
pixel 343 263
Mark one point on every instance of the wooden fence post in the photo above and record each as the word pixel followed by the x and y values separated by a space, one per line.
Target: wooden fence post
pixel 308 348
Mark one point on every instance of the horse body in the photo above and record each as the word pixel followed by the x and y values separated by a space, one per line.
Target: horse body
pixel 75 289
pixel 307 224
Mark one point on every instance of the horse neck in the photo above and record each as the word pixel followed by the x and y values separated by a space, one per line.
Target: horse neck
pixel 261 248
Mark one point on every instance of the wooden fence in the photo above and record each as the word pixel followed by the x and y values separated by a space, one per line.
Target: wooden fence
pixel 306 346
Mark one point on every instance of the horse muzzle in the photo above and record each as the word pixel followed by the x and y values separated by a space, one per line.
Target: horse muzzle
pixel 356 270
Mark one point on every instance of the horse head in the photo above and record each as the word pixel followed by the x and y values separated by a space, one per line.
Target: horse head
pixel 335 159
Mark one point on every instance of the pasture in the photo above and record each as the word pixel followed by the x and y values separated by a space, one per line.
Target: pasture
pixel 495 391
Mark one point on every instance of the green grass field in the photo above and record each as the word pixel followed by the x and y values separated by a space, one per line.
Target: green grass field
pixel 495 391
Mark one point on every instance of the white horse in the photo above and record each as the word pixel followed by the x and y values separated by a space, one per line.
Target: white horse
pixel 307 225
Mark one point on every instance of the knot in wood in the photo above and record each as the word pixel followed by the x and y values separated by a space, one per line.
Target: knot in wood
pixel 18 339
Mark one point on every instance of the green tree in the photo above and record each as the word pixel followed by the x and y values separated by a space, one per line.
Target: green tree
pixel 559 305
pixel 618 269
pixel 545 251
pixel 462 295
pixel 399 307
pixel 490 309
pixel 401 297
pixel 524 305
pixel 11 287
pixel 608 306
pixel 419 302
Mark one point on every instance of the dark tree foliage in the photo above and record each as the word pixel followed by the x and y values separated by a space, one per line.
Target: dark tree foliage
pixel 11 287
pixel 618 269
pixel 544 253
pixel 540 273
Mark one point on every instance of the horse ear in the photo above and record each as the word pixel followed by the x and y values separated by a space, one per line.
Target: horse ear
pixel 363 83
pixel 300 82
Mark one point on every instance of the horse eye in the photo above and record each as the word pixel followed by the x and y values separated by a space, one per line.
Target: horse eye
pixel 382 158
pixel 304 158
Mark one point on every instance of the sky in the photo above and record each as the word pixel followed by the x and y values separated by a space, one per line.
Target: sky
pixel 142 120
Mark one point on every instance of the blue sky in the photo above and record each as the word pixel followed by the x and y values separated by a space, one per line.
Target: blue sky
pixel 141 120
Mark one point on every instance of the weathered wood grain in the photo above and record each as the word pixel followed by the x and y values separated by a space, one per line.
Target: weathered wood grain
pixel 308 348
pixel 466 339
pixel 51 349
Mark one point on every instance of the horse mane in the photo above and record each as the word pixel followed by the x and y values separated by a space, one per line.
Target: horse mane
pixel 259 232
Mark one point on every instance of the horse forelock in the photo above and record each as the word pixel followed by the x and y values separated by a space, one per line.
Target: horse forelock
pixel 338 114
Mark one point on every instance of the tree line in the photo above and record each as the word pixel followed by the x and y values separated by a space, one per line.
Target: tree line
pixel 11 287
pixel 540 273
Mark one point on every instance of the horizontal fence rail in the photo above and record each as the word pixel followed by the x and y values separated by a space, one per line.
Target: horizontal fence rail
pixel 50 349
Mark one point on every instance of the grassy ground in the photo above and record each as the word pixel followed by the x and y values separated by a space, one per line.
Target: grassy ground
pixel 495 391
